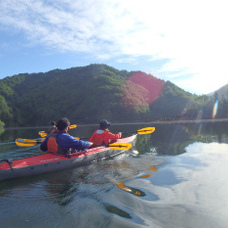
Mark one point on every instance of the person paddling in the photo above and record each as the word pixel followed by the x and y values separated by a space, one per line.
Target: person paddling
pixel 102 136
pixel 60 142
pixel 53 127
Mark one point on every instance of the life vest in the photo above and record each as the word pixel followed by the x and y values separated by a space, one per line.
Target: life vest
pixel 52 144
pixel 104 137
pixel 98 137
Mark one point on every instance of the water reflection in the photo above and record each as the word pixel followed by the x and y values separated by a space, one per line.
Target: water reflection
pixel 172 139
pixel 2 131
pixel 194 183
pixel 135 191
pixel 9 135
pixel 145 187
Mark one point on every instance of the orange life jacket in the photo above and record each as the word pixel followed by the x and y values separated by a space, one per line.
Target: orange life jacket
pixel 98 139
pixel 104 137
pixel 52 144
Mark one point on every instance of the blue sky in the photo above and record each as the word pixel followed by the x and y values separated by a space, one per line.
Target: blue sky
pixel 182 41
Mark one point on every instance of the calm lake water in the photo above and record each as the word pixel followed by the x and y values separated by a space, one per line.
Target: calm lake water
pixel 175 177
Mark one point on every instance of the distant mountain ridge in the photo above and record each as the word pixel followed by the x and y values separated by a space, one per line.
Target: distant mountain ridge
pixel 88 94
pixel 222 92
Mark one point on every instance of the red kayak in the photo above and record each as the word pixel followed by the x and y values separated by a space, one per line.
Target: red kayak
pixel 49 162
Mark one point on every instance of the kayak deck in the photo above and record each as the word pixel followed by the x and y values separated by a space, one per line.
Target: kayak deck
pixel 46 158
pixel 49 162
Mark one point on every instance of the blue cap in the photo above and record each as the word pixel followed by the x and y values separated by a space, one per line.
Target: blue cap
pixel 104 124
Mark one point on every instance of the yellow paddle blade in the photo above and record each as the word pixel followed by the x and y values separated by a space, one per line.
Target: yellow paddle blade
pixel 120 146
pixel 146 130
pixel 42 134
pixel 26 142
pixel 72 126
pixel 76 137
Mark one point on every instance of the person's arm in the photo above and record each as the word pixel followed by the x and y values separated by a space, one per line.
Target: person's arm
pixel 43 145
pixel 111 138
pixel 66 141
pixel 115 136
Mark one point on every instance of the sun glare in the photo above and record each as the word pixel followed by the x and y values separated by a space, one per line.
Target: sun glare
pixel 142 89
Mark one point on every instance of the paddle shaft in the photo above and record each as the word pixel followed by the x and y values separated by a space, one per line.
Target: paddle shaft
pixel 31 142
pixel 44 134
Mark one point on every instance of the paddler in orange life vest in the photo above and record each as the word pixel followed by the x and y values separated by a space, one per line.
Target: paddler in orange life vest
pixel 103 136
pixel 60 142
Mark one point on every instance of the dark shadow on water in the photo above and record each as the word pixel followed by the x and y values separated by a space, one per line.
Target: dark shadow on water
pixel 117 211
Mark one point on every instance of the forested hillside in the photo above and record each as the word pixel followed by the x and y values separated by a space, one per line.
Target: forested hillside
pixel 87 94
pixel 221 93
pixel 214 105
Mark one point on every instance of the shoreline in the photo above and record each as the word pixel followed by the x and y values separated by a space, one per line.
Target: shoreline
pixel 190 121
pixel 197 121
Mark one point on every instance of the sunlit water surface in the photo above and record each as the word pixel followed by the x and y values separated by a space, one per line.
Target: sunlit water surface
pixel 175 177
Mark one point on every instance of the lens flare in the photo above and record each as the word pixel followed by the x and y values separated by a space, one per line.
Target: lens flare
pixel 142 89
pixel 215 109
